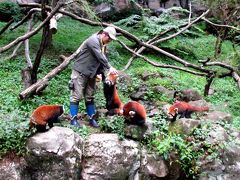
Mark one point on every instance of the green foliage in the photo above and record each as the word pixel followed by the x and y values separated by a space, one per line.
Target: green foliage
pixel 175 143
pixel 15 113
pixel 13 135
pixel 10 10
pixel 113 125
pixel 83 131
pixel 130 21
pixel 155 25
pixel 102 1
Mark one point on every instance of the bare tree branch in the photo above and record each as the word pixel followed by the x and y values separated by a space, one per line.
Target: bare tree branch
pixel 161 65
pixel 223 65
pixel 220 25
pixel 14 53
pixel 28 16
pixel 33 32
pixel 151 41
pixel 6 26
pixel 183 29
pixel 190 12
pixel 236 78
pixel 26 42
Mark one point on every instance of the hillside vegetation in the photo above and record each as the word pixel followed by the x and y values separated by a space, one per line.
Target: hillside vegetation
pixel 14 113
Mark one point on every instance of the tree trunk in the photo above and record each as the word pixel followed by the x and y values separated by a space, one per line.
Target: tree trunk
pixel 26 77
pixel 207 86
pixel 41 48
pixel 50 34
pixel 221 37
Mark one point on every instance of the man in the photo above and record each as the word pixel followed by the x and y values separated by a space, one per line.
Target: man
pixel 89 62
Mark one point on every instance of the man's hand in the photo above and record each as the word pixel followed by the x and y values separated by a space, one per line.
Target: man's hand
pixel 112 70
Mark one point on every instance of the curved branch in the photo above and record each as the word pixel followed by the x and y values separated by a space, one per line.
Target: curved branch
pixel 151 41
pixel 220 25
pixel 6 27
pixel 223 65
pixel 33 32
pixel 183 29
pixel 28 16
pixel 236 78
pixel 162 65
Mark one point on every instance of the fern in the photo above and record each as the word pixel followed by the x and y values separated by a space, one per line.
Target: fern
pixel 167 20
pixel 130 21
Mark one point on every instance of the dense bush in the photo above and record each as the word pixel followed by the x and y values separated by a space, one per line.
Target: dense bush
pixel 9 10
pixel 13 136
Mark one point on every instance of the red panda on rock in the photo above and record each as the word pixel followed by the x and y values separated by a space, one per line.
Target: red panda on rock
pixel 184 109
pixel 113 103
pixel 135 113
pixel 45 114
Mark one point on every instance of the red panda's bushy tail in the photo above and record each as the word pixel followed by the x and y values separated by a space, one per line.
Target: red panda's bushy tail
pixel 200 109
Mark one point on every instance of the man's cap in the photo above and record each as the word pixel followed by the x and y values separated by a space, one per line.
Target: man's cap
pixel 111 32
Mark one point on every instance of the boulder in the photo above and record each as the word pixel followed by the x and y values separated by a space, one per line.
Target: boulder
pixel 106 157
pixel 184 126
pixel 152 166
pixel 218 116
pixel 12 168
pixel 55 154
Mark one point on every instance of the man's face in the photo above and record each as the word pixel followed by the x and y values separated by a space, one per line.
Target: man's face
pixel 106 38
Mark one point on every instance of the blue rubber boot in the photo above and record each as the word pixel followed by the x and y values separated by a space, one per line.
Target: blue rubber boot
pixel 91 112
pixel 73 112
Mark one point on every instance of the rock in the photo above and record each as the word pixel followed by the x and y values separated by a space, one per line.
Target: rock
pixel 12 168
pixel 189 95
pixel 55 154
pixel 184 126
pixel 163 90
pixel 135 132
pixel 152 166
pixel 106 157
pixel 217 135
pixel 218 116
pixel 139 94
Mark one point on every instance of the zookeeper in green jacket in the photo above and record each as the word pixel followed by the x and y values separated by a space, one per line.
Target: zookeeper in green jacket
pixel 89 62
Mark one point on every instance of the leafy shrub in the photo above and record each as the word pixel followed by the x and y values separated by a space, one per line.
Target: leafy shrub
pixel 83 131
pixel 13 136
pixel 130 21
pixel 9 10
pixel 155 25
pixel 114 125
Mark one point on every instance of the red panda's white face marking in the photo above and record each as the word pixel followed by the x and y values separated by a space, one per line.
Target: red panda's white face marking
pixel 111 79
pixel 132 114
pixel 121 112
pixel 172 112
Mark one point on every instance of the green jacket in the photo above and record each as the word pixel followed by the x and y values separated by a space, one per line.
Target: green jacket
pixel 90 58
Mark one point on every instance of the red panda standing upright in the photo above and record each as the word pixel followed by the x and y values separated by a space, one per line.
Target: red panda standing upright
pixel 135 113
pixel 113 103
pixel 45 114
pixel 184 109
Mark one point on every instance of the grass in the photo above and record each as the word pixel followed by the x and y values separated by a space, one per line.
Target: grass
pixel 15 113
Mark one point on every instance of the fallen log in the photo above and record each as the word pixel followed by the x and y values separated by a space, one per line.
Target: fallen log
pixel 42 83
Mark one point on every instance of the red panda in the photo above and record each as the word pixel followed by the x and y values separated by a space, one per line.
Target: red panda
pixel 134 113
pixel 113 102
pixel 184 109
pixel 45 114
